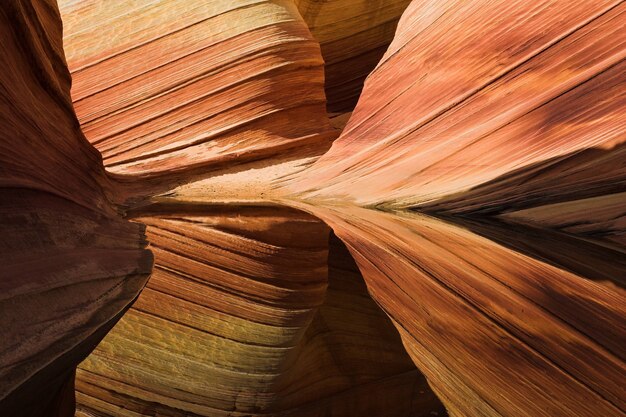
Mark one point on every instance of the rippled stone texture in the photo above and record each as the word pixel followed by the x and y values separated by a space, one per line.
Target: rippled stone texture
pixel 515 104
pixel 70 266
pixel 497 332
pixel 244 316
pixel 168 90
pixel 505 119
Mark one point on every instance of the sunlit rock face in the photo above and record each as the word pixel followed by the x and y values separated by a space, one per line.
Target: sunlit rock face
pixel 459 250
pixel 168 90
pixel 505 119
pixel 519 102
pixel 70 265
pixel 149 102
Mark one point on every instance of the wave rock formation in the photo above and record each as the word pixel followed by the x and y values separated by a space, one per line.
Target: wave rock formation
pixel 312 208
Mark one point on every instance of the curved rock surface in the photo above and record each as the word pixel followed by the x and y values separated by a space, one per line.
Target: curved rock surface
pixel 70 266
pixel 470 93
pixel 168 91
pixel 242 316
pixel 503 118
pixel 353 36
pixel 497 331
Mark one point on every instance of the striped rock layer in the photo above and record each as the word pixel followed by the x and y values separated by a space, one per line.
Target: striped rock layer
pixel 170 91
pixel 353 36
pixel 501 322
pixel 490 108
pixel 242 316
pixel 507 119
pixel 504 119
pixel 70 265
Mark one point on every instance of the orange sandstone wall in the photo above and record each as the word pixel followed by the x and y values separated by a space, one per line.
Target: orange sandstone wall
pixel 496 330
pixel 475 92
pixel 175 90
pixel 507 111
pixel 246 315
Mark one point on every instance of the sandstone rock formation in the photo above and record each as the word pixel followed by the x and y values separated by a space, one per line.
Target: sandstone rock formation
pixel 502 121
pixel 353 36
pixel 472 92
pixel 70 265
pixel 242 316
pixel 495 331
pixel 526 124
pixel 167 92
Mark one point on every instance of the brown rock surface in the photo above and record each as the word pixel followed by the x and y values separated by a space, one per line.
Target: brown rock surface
pixel 469 92
pixel 496 332
pixel 353 36
pixel 242 316
pixel 70 266
pixel 170 91
pixel 503 118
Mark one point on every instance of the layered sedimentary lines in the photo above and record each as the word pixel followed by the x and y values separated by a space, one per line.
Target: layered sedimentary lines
pixel 70 265
pixel 229 297
pixel 495 331
pixel 67 275
pixel 599 218
pixel 353 36
pixel 42 147
pixel 162 88
pixel 237 320
pixel 504 118
pixel 581 193
pixel 470 91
